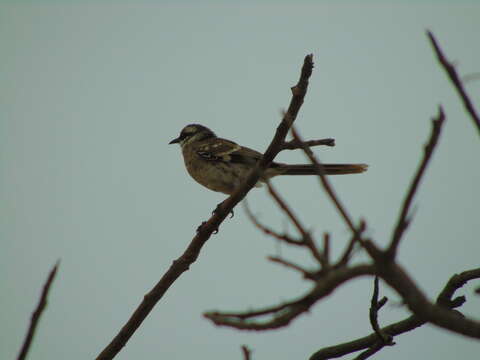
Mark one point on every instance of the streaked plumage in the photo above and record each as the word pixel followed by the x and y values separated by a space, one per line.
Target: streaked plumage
pixel 222 165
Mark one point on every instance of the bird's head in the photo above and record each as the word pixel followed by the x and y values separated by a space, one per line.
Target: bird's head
pixel 193 132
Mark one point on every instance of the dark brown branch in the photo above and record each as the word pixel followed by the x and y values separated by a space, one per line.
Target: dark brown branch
pixel 452 73
pixel 282 315
pixel 246 352
pixel 294 144
pixel 370 351
pixel 268 231
pixel 326 247
pixel 410 323
pixel 42 303
pixel 403 220
pixel 326 184
pixel 351 245
pixel 395 276
pixel 307 238
pixel 305 273
pixel 375 307
pixel 456 282
pixel 190 255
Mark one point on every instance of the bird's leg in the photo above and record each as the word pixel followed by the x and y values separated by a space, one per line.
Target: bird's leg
pixel 219 207
pixel 201 226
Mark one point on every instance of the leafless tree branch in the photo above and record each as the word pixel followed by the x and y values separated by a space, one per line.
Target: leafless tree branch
pixel 281 315
pixel 305 273
pixel 268 231
pixel 246 352
pixel 307 238
pixel 394 275
pixel 294 144
pixel 190 255
pixel 403 220
pixel 452 73
pixel 326 183
pixel 406 325
pixel 375 307
pixel 42 303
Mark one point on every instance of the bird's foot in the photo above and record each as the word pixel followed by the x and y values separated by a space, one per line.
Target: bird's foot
pixel 199 228
pixel 219 207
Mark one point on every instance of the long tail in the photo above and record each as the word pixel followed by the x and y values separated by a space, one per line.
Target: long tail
pixel 330 169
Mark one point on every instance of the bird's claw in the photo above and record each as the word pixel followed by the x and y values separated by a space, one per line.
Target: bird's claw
pixel 199 228
pixel 218 208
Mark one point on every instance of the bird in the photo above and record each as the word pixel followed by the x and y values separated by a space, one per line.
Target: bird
pixel 222 165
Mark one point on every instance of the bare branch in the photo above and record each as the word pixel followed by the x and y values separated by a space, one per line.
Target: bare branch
pixel 294 144
pixel 268 231
pixel 370 351
pixel 351 245
pixel 305 273
pixel 394 275
pixel 326 185
pixel 410 323
pixel 204 232
pixel 403 220
pixel 375 307
pixel 307 238
pixel 455 283
pixel 326 247
pixel 281 315
pixel 452 73
pixel 246 352
pixel 42 303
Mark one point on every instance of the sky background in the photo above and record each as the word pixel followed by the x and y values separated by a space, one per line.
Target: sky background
pixel 92 92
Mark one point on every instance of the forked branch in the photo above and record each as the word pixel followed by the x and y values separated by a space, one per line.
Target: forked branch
pixel 457 83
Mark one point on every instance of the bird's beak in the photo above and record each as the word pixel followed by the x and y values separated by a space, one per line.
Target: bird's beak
pixel 174 141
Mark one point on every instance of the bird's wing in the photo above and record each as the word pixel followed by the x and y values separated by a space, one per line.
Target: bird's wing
pixel 217 149
pixel 226 150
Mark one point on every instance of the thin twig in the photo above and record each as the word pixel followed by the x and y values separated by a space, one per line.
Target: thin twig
pixel 452 73
pixel 400 327
pixel 399 280
pixel 326 247
pixel 268 231
pixel 403 220
pixel 308 240
pixel 347 254
pixel 375 307
pixel 42 303
pixel 305 273
pixel 246 352
pixel 281 315
pixel 326 184
pixel 294 144
pixel 192 252
pixel 372 350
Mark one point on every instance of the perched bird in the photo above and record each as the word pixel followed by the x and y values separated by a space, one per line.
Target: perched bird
pixel 222 165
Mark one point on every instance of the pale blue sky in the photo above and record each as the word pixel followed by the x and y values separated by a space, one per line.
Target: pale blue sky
pixel 90 95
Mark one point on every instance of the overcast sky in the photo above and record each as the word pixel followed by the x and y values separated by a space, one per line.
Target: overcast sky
pixel 92 92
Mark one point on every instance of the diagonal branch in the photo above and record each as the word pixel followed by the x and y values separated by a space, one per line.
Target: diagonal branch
pixel 400 327
pixel 42 303
pixel 452 73
pixel 398 279
pixel 326 184
pixel 403 220
pixel 269 231
pixel 182 264
pixel 281 315
pixel 305 273
pixel 307 238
